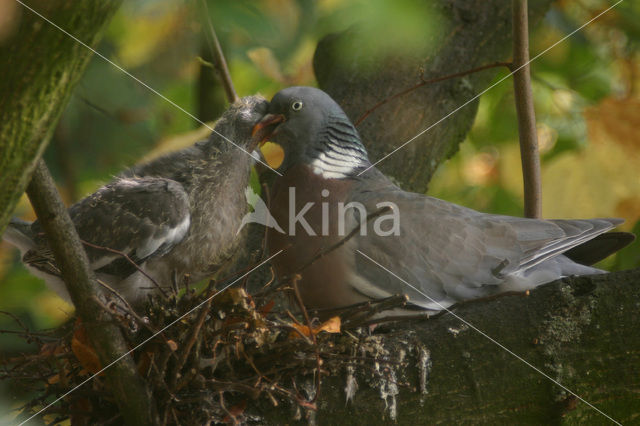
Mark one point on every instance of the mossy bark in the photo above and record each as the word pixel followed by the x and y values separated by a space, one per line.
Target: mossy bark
pixel 40 66
pixel 129 390
pixel 581 332
pixel 473 34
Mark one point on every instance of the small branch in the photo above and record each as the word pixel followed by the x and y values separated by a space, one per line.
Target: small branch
pixel 392 318
pixel 357 317
pixel 123 254
pixel 218 57
pixel 28 335
pixel 126 308
pixel 130 392
pixel 343 241
pixel 526 113
pixel 424 82
pixel 267 198
pixel 296 291
pixel 195 333
pixel 353 316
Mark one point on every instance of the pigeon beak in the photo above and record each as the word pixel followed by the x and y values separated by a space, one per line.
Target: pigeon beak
pixel 267 120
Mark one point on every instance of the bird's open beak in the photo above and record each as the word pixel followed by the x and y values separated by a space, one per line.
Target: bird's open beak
pixel 272 153
pixel 267 121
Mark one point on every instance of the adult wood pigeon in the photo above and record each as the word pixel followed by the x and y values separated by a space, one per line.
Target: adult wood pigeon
pixel 448 252
pixel 178 214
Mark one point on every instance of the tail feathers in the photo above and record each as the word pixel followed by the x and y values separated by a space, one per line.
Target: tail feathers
pixel 600 247
pixel 576 232
pixel 19 234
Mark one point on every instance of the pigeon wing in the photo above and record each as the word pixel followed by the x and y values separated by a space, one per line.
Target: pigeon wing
pixel 452 253
pixel 136 217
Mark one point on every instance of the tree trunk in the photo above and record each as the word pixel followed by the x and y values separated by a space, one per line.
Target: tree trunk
pixel 475 33
pixel 581 332
pixel 40 66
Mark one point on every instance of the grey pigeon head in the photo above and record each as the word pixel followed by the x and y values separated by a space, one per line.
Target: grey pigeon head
pixel 313 129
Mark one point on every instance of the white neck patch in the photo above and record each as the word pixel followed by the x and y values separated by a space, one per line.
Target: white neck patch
pixel 338 162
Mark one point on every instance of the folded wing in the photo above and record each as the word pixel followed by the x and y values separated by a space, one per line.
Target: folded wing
pixel 451 253
pixel 137 217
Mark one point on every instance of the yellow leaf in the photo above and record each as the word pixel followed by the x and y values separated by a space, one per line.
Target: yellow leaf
pixel 330 326
pixel 615 120
pixel 144 34
pixel 602 179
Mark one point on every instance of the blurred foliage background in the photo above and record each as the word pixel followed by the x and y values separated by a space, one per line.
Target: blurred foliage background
pixel 586 90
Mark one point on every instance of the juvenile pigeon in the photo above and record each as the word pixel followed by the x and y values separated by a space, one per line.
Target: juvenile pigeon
pixel 448 252
pixel 176 215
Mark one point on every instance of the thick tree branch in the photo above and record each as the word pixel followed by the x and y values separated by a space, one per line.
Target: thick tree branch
pixel 581 332
pixel 130 392
pixel 526 113
pixel 471 34
pixel 40 66
pixel 424 82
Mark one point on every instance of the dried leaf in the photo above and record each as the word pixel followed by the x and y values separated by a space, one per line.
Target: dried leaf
pixel 236 411
pixel 172 345
pixel 332 325
pixel 83 351
pixel 267 308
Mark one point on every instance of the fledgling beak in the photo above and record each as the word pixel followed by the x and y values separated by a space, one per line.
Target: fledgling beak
pixel 267 120
pixel 272 153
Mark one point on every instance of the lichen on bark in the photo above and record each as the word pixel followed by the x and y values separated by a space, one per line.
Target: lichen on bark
pixel 40 66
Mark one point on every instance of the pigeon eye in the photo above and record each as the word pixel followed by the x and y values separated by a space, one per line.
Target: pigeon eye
pixel 296 105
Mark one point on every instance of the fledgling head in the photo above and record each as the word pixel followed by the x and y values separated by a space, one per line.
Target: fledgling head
pixel 237 122
pixel 311 128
